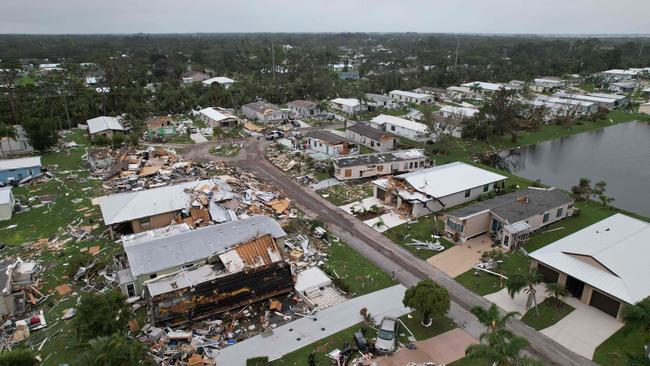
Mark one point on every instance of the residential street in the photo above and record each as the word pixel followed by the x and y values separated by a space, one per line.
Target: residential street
pixel 384 253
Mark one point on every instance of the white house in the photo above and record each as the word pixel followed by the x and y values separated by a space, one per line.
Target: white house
pixel 377 164
pixel 304 108
pixel 623 87
pixel 192 76
pixel 264 112
pixel 484 88
pixel 457 112
pixel 605 265
pixel 547 83
pixel 411 97
pixel 560 107
pixel 221 80
pixel 618 74
pixel 602 101
pixel 218 117
pixel 430 190
pixel 104 126
pixel 381 101
pixel 348 105
pixel 401 127
pixel 331 144
pixel 18 145
pixel 6 203
pixel 373 138
pixel 459 92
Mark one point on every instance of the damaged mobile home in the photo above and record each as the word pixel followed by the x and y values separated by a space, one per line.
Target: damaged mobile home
pixel 17 279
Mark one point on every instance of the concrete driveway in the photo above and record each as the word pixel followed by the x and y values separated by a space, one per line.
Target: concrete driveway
pixel 442 349
pixel 583 329
pixel 518 304
pixel 461 257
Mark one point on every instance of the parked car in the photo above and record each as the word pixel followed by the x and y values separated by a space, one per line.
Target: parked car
pixel 275 134
pixel 386 335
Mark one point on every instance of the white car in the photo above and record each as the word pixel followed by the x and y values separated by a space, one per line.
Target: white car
pixel 386 335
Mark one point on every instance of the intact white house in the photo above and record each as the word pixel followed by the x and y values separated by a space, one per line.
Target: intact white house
pixel 433 189
pixel 218 117
pixel 221 80
pixel 411 97
pixel 401 127
pixel 457 112
pixel 304 108
pixel 264 112
pixel 104 126
pixel 348 105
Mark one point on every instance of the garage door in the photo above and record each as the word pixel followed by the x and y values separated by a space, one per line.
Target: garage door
pixel 550 275
pixel 604 303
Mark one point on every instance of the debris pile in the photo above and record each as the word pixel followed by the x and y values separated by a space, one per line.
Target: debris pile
pixel 296 164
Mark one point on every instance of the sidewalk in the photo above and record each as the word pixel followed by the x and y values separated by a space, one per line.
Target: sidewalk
pixel 300 333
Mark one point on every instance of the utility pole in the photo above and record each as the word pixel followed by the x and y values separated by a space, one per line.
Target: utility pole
pixel 456 58
pixel 275 77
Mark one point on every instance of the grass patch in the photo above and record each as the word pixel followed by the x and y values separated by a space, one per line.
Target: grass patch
pixel 345 193
pixel 226 150
pixel 423 229
pixel 414 324
pixel 354 273
pixel 622 347
pixel 483 284
pixel 551 311
pixel 180 139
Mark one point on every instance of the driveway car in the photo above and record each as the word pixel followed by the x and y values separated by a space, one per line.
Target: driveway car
pixel 386 335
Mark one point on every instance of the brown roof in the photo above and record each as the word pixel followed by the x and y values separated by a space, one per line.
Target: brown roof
pixel 370 132
pixel 302 104
pixel 263 108
pixel 251 252
pixel 329 137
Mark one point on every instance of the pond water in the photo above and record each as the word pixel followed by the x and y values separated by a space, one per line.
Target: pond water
pixel 619 155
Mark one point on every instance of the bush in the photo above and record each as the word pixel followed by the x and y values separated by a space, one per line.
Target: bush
pixel 258 361
pixel 18 357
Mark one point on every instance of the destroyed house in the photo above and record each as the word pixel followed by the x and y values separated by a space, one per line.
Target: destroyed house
pixel 248 272
pixel 330 143
pixel 151 256
pixel 16 279
pixel 373 138
pixel 159 207
pixel 509 218
pixel 372 165
pixel 99 158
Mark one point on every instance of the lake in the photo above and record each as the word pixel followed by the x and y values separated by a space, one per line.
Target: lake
pixel 619 155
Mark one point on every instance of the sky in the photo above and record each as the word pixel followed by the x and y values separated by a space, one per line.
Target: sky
pixel 436 16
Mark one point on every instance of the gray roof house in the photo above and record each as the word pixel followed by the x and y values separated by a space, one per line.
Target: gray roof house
pixel 371 137
pixel 510 217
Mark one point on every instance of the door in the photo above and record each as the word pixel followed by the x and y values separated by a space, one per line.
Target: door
pixel 130 290
pixel 575 287
pixel 548 274
pixel 604 303
pixel 381 194
pixel 496 225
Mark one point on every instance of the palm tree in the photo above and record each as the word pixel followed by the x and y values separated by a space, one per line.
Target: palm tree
pixel 526 282
pixel 501 348
pixel 491 317
pixel 559 292
pixel 114 350
pixel 9 132
pixel 475 88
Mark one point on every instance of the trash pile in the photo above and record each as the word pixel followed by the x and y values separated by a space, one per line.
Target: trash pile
pixel 296 164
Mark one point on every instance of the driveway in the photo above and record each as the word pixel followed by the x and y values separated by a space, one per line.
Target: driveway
pixel 441 349
pixel 583 329
pixel 518 304
pixel 461 257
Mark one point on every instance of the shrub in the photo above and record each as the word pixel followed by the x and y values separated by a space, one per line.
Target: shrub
pixel 258 361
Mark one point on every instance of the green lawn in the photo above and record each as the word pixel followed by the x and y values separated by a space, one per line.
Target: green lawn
pixel 414 324
pixel 353 272
pixel 550 312
pixel 619 348
pixel 422 229
pixel 26 80
pixel 324 346
pixel 483 284
pixel 180 139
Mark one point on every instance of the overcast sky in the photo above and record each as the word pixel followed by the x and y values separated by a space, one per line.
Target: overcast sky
pixel 440 16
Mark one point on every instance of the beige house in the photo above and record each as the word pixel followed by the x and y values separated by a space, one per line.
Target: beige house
pixel 331 144
pixel 104 126
pixel 373 138
pixel 218 117
pixel 604 265
pixel 509 218
pixel 644 108
pixel 373 165
pixel 264 112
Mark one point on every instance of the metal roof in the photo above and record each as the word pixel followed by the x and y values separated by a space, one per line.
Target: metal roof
pixel 329 137
pixel 134 205
pixel 400 122
pixel 410 94
pixel 350 102
pixel 104 123
pixel 612 255
pixel 378 158
pixel 215 114
pixel 219 80
pixel 172 251
pixel 444 180
pixel 517 206
pixel 26 162
pixel 370 132
pixel 5 195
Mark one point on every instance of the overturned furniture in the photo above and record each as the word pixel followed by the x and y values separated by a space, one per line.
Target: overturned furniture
pixel 249 272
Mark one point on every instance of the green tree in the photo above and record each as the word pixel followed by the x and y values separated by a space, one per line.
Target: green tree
pixel 638 315
pixel 18 357
pixel 558 291
pixel 501 348
pixel 605 200
pixel 114 350
pixel 118 139
pixel 428 299
pixel 526 282
pixel 101 315
pixel 491 317
pixel 6 132
pixel 42 133
pixel 583 190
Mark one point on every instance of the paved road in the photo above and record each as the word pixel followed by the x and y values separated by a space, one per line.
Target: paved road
pixel 390 257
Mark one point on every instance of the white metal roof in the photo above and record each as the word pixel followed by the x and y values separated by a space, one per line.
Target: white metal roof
pixel 461 89
pixel 619 243
pixel 129 206
pixel 558 100
pixel 609 96
pixel 485 86
pixel 621 72
pixel 460 111
pixel 218 80
pixel 5 195
pixel 410 94
pixel 443 180
pixel 400 122
pixel 585 97
pixel 350 102
pixel 103 123
pixel 215 114
pixel 26 162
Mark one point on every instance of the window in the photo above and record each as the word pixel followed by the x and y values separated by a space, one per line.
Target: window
pixel 559 212
pixel 372 143
pixel 130 290
pixel 468 192
pixel 411 165
pixel 348 172
pixel 392 128
pixel 145 222
pixel 455 226
pixel 153 275
pixel 546 216
pixel 378 144
pixel 486 187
